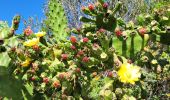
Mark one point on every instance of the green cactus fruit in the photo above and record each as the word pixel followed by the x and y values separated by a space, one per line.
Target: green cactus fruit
pixel 56 20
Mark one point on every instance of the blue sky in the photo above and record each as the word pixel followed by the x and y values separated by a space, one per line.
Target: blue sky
pixel 25 8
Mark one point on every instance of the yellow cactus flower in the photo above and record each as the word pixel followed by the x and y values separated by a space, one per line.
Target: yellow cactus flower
pixel 32 42
pixel 40 34
pixel 97 78
pixel 129 73
pixel 26 62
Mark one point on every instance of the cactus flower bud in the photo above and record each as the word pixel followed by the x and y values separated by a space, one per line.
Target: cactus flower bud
pixel 64 56
pixel 16 22
pixel 28 31
pixel 101 30
pixel 118 32
pixel 33 78
pixel 35 47
pixel 73 39
pixel 80 52
pixel 46 80
pixel 105 5
pixel 85 59
pixel 85 40
pixel 91 7
pixel 73 47
pixel 61 76
pixel 56 84
pixel 78 70
pixel 142 31
pixel 110 74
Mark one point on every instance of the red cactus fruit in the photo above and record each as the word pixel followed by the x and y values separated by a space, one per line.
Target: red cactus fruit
pixel 56 84
pixel 110 74
pixel 142 31
pixel 85 59
pixel 61 76
pixel 78 70
pixel 28 31
pixel 105 5
pixel 80 52
pixel 46 80
pixel 33 78
pixel 101 30
pixel 118 32
pixel 73 39
pixel 16 22
pixel 35 47
pixel 91 7
pixel 64 56
pixel 73 47
pixel 85 40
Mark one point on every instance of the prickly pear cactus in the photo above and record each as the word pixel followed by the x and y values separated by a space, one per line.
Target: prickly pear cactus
pixel 158 24
pixel 101 17
pixel 56 20
pixel 124 37
pixel 131 38
pixel 128 39
pixel 162 29
pixel 7 40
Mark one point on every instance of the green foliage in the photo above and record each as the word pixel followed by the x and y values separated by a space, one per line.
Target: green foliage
pixel 94 65
pixel 56 21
